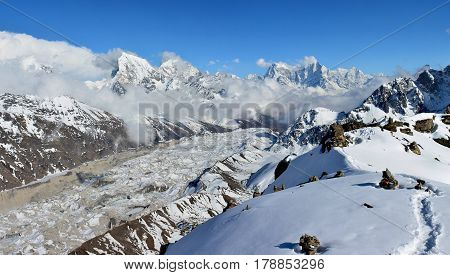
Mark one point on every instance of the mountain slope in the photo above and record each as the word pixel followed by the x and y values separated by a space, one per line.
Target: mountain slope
pixel 39 137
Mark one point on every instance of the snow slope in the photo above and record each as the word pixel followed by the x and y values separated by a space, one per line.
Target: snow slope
pixel 404 221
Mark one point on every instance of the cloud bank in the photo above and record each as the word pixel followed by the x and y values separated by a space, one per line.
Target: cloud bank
pixel 51 68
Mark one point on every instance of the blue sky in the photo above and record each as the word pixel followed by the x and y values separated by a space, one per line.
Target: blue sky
pixel 222 31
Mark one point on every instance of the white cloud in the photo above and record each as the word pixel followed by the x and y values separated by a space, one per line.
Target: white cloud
pixel 212 62
pixel 78 62
pixel 262 63
pixel 236 60
pixel 21 55
pixel 307 60
pixel 448 30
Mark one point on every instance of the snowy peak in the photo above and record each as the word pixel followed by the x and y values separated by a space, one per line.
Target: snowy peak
pixel 404 96
pixel 400 96
pixel 313 74
pixel 177 67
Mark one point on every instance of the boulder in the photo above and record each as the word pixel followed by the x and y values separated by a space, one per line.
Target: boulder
pixel 313 178
pixel 231 202
pixel 414 147
pixel 353 125
pixel 420 184
pixel 324 174
pixel 310 244
pixel 424 126
pixel 443 141
pixel 335 137
pixel 446 119
pixel 406 131
pixel 339 174
pixel 392 125
pixel 388 181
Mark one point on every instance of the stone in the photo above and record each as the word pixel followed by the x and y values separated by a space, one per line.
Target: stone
pixel 388 181
pixel 324 174
pixel 392 125
pixel 310 244
pixel 313 178
pixel 339 174
pixel 420 184
pixel 335 137
pixel 406 131
pixel 414 147
pixel 443 141
pixel 256 194
pixel 446 119
pixel 424 126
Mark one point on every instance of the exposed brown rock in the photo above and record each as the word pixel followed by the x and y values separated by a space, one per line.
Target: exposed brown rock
pixel 231 202
pixel 424 126
pixel 353 125
pixel 339 174
pixel 388 181
pixel 313 178
pixel 446 119
pixel 414 147
pixel 334 138
pixel 256 194
pixel 310 244
pixel 392 125
pixel 443 141
pixel 406 131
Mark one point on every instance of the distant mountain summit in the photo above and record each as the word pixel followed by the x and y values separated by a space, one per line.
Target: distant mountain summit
pixel 174 73
pixel 313 74
pixel 405 96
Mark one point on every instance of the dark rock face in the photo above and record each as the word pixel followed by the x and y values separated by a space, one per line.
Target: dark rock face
pixel 310 244
pixel 334 138
pixel 388 181
pixel 424 126
pixel 443 141
pixel 397 95
pixel 446 119
pixel 281 167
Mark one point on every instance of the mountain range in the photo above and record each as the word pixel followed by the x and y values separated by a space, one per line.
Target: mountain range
pixel 74 180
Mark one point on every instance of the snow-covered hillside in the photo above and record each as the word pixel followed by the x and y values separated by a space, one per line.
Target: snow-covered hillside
pixel 401 221
pixel 43 136
pixel 332 184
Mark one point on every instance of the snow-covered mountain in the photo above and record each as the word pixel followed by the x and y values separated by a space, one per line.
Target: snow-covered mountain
pixel 173 74
pixel 39 136
pixel 405 96
pixel 337 194
pixel 314 74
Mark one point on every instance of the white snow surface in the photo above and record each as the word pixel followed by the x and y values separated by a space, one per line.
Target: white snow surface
pixel 402 221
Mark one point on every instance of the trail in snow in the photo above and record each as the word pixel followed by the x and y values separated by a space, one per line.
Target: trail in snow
pixel 428 228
